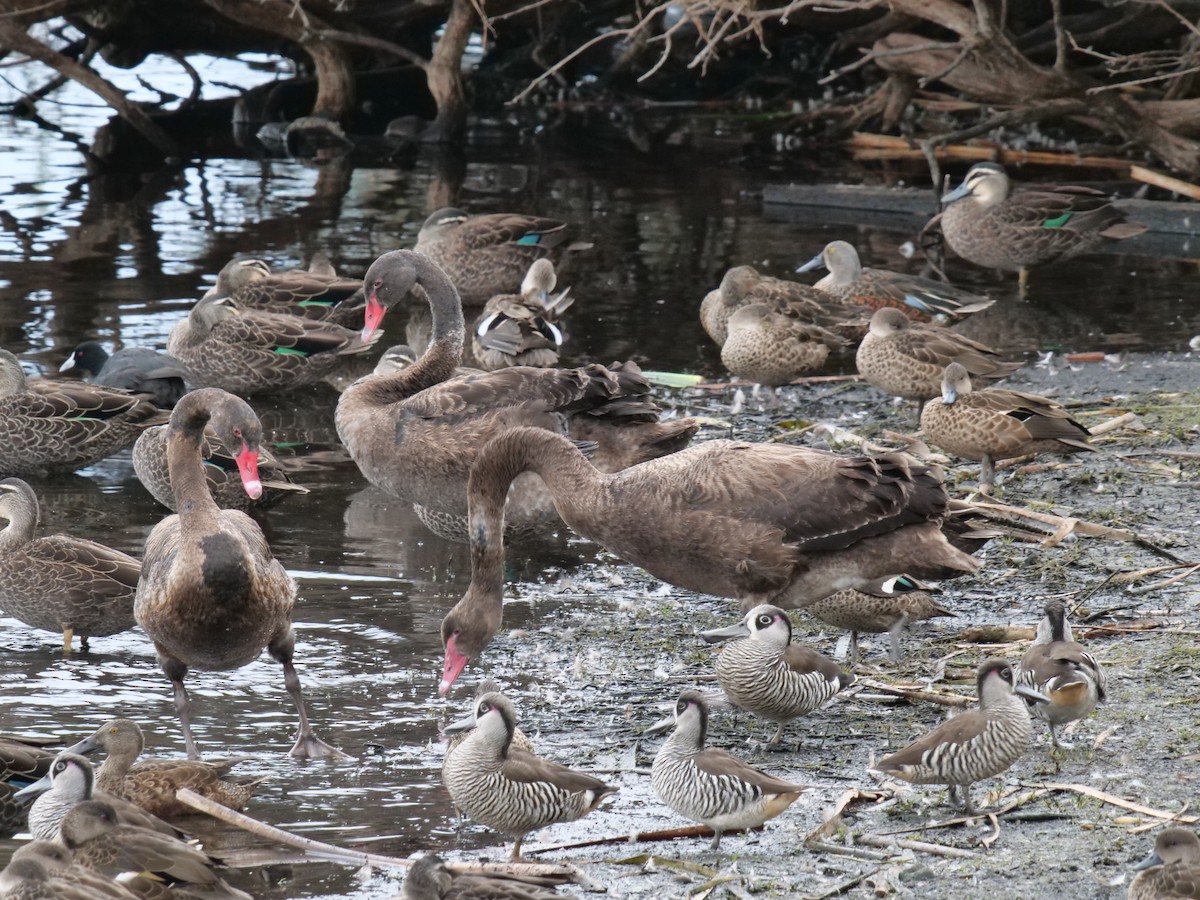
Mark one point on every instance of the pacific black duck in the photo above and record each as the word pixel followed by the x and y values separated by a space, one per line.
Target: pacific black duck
pixel 60 583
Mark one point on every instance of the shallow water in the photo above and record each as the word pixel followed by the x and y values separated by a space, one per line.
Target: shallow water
pixel 120 259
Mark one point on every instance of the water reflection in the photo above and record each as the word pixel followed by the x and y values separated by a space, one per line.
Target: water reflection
pixel 121 258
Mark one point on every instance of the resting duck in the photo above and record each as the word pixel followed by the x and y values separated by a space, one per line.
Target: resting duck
pixel 211 594
pixel 151 782
pixel 144 860
pixel 60 583
pixel 415 432
pixel 922 299
pixel 488 255
pixel 60 426
pixel 23 761
pixel 764 523
pixel 134 369
pixel 743 286
pixel 522 329
pixel 318 293
pixel 772 348
pixel 246 351
pixel 907 359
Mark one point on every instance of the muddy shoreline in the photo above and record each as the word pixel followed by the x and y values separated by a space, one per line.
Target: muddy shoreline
pixel 612 644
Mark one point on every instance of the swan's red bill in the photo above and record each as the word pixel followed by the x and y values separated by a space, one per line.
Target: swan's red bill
pixel 373 317
pixel 247 463
pixel 452 667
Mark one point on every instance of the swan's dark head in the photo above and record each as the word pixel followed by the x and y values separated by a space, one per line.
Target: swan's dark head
pixel 466 632
pixel 240 430
pixel 387 282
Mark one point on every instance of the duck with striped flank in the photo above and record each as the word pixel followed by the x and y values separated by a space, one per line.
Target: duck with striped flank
pixel 522 329
pixel 888 605
pixel 710 786
pixel 1057 666
pixel 60 583
pixel 1171 871
pixel 972 745
pixel 49 427
pixel 921 299
pixel 490 254
pixel 908 359
pixel 507 788
pixel 987 223
pixel 247 351
pixel 763 672
pixel 70 781
pixel 151 782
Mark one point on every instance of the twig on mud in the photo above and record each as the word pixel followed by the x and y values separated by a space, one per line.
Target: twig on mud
pixel 876 840
pixel 847 885
pixel 1022 515
pixel 1117 801
pixel 995 835
pixel 735 383
pixel 1104 736
pixel 953 700
pixel 1175 579
pixel 1015 803
pixel 834 818
pixel 1113 424
pixel 666 834
pixel 1139 574
pixel 840 850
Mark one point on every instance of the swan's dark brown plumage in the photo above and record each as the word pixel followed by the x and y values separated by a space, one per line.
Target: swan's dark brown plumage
pixel 211 594
pixel 765 523
pixel 416 432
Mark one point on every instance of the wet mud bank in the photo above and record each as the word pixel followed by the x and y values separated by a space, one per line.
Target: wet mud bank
pixel 603 647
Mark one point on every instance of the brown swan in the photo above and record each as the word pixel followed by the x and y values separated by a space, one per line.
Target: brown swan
pixel 416 432
pixel 211 594
pixel 765 523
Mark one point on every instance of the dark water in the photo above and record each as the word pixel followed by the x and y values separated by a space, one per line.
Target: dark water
pixel 121 259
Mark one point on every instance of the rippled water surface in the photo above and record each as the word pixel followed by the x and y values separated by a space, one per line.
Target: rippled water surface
pixel 121 258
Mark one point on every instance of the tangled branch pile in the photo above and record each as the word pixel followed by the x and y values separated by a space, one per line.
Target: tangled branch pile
pixel 1120 75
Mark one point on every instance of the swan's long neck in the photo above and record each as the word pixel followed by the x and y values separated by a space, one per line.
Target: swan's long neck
pixel 184 461
pixel 570 477
pixel 445 351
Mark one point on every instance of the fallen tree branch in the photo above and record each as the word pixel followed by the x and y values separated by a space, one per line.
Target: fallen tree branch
pixel 1112 800
pixel 875 840
pixel 321 850
pixel 14 37
pixel 953 700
